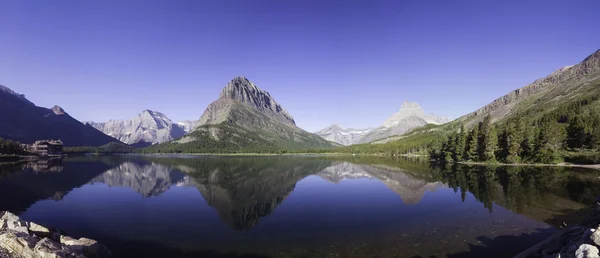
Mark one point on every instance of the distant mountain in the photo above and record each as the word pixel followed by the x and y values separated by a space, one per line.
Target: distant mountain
pixel 343 136
pixel 187 125
pixel 22 121
pixel 410 116
pixel 149 127
pixel 244 118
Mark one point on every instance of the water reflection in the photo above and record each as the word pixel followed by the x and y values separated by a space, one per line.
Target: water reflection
pixel 287 206
pixel 555 195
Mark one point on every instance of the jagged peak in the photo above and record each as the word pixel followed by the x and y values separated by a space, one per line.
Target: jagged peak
pixel 58 110
pixel 243 90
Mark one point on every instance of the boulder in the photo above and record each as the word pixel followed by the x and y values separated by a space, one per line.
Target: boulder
pixel 10 217
pixel 595 237
pixel 19 243
pixel 587 251
pixel 16 226
pixel 72 243
pixel 39 230
pixel 47 248
pixel 88 246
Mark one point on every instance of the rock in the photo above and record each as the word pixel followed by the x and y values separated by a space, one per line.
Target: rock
pixel 39 230
pixel 15 241
pixel 16 226
pixel 90 246
pixel 20 243
pixel 587 251
pixel 71 242
pixel 47 248
pixel 595 237
pixel 10 217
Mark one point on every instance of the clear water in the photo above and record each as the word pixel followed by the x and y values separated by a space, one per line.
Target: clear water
pixel 181 206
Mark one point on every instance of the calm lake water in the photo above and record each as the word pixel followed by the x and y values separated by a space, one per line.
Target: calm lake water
pixel 297 206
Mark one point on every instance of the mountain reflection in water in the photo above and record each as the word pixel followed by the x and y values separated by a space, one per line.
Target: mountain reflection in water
pixel 290 206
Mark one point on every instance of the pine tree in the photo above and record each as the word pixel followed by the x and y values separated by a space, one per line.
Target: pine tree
pixel 510 144
pixel 459 145
pixel 471 145
pixel 487 140
pixel 491 145
pixel 576 136
pixel 594 137
pixel 548 143
pixel 528 143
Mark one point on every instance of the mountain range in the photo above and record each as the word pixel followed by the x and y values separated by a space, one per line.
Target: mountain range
pixel 25 122
pixel 245 118
pixel 147 128
pixel 411 115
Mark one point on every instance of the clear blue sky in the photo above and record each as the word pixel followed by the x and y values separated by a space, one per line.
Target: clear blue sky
pixel 346 62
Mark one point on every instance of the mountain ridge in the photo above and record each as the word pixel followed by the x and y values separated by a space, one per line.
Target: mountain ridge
pixel 147 128
pixel 25 122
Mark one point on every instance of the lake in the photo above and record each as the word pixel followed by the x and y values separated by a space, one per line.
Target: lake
pixel 286 206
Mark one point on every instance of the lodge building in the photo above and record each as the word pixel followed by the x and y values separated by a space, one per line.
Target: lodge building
pixel 47 147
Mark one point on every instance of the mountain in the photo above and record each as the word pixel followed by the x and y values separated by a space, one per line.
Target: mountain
pixel 343 136
pixel 25 122
pixel 147 128
pixel 411 115
pixel 543 95
pixel 410 110
pixel 244 118
pixel 187 125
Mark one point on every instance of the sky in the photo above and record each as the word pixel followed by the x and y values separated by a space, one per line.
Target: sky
pixel 347 62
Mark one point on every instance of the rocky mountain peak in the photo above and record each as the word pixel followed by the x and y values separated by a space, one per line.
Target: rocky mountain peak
pixel 148 127
pixel 242 90
pixel 58 110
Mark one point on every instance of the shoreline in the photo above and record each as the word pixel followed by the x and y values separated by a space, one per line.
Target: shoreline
pixel 592 166
pixel 570 242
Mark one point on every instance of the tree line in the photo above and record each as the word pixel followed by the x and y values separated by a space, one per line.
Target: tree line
pixel 520 140
pixel 10 147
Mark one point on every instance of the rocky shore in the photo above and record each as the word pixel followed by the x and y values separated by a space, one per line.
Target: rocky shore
pixel 19 238
pixel 581 241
